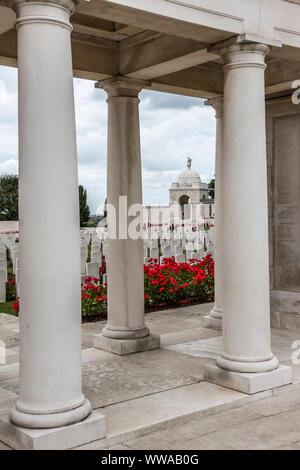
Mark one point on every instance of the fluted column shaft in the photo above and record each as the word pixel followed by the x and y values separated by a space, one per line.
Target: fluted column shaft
pixel 50 313
pixel 217 104
pixel 245 264
pixel 125 256
pixel 126 331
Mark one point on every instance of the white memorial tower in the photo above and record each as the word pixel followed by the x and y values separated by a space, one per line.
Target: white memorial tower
pixel 188 192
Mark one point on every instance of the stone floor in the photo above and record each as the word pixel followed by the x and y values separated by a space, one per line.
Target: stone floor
pixel 145 395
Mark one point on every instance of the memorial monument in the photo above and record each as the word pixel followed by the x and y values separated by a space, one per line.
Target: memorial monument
pixel 243 56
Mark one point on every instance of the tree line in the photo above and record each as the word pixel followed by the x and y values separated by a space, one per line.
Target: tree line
pixel 9 200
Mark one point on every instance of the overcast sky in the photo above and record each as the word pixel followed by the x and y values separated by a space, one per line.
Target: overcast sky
pixel 173 127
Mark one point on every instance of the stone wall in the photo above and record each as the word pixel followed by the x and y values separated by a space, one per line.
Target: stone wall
pixel 9 226
pixel 283 161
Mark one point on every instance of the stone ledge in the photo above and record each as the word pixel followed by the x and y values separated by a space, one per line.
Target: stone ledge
pixel 285 321
pixel 91 429
pixel 248 383
pixel 123 347
pixel 212 323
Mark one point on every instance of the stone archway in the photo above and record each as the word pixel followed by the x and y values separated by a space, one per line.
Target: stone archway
pixel 184 202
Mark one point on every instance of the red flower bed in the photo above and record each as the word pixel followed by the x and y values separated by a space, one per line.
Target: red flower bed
pixel 165 284
pixel 16 305
pixel 169 283
pixel 10 289
pixel 93 297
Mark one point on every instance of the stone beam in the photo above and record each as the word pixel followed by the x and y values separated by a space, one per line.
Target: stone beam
pixel 278 88
pixel 127 30
pixel 280 74
pixel 8 48
pixel 150 55
pixel 181 90
pixel 94 59
pixel 7 19
pixel 155 22
pixel 99 27
pixel 88 21
pixel 97 59
pixel 204 81
pixel 96 27
pixel 206 19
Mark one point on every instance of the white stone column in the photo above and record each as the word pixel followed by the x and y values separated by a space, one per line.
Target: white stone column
pixel 125 331
pixel 246 357
pixel 50 314
pixel 214 319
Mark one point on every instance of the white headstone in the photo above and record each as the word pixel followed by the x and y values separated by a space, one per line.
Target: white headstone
pixel 154 252
pixel 180 258
pixel 92 269
pixel 96 257
pixel 82 259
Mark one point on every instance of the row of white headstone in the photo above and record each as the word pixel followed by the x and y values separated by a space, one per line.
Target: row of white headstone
pixel 181 249
pixel 8 241
pixel 98 249
pixel 197 245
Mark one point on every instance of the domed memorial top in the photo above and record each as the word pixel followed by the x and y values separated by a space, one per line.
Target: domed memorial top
pixel 189 176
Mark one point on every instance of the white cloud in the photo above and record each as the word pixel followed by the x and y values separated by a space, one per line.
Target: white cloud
pixel 172 128
pixel 8 120
pixel 9 166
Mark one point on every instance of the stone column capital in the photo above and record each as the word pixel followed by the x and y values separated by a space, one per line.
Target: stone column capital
pixel 250 54
pixel 245 50
pixel 69 5
pixel 120 86
pixel 55 12
pixel 238 53
pixel 244 47
pixel 217 104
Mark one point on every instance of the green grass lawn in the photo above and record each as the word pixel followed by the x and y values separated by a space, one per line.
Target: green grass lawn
pixel 6 307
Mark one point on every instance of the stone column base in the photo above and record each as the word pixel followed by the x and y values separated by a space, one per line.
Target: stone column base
pixel 210 322
pixel 123 347
pixel 66 437
pixel 248 383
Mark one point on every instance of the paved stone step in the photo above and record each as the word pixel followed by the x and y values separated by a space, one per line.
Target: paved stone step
pixel 139 417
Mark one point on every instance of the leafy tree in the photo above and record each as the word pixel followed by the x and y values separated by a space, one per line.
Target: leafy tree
pixel 83 206
pixel 91 223
pixel 9 197
pixel 211 187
